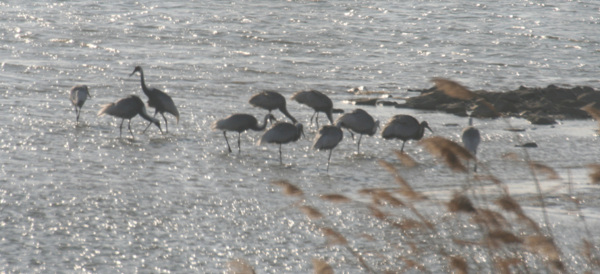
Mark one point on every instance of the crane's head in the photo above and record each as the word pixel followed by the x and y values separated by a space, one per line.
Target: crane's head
pixel 137 68
pixel 425 125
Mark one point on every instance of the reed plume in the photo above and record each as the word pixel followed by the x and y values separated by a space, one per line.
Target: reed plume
pixel 288 188
pixel 453 89
pixel 321 267
pixel 449 151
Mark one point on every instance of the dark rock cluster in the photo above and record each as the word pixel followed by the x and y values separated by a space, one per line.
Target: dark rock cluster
pixel 542 106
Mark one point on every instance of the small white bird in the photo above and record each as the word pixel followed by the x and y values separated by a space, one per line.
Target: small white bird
pixel 328 137
pixel 471 139
pixel 78 96
pixel 240 122
pixel 282 133
pixel 128 108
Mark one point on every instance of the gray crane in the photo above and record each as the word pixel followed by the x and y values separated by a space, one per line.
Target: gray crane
pixel 360 122
pixel 157 99
pixel 328 137
pixel 78 96
pixel 282 133
pixel 271 100
pixel 318 101
pixel 471 138
pixel 128 108
pixel 404 127
pixel 240 122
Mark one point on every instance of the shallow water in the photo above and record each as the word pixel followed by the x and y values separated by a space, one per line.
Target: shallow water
pixel 78 197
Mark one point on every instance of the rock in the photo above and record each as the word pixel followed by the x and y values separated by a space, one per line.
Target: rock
pixel 482 110
pixel 542 106
pixel 458 109
pixel 364 101
pixel 537 119
pixel 530 145
pixel 589 97
pixel 390 103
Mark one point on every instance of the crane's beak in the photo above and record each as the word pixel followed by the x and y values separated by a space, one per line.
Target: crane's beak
pixel 429 129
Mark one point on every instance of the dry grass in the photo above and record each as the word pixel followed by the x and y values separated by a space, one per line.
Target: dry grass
pixel 240 266
pixel 470 232
pixel 453 89
pixel 501 231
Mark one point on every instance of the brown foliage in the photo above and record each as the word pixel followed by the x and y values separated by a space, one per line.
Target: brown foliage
pixel 239 266
pixel 321 267
pixel 450 152
pixel 453 89
pixel 459 264
pixel 311 212
pixel 336 198
pixel 592 111
pixel 405 159
pixel 541 168
pixel 460 203
pixel 595 173
pixel 288 189
pixel 333 237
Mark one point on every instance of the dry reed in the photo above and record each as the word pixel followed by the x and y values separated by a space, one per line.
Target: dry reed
pixel 497 229
pixel 453 89
pixel 450 152
pixel 239 266
pixel 405 159
pixel 311 212
pixel 288 188
pixel 594 173
pixel 336 198
pixel 321 267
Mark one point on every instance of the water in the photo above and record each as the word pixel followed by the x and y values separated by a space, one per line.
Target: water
pixel 78 198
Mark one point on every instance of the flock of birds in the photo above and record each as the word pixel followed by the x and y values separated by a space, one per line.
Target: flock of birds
pixel 403 127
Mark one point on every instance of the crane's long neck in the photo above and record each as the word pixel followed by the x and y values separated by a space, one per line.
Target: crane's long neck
pixel 144 87
pixel 286 113
pixel 264 124
pixel 145 115
pixel 330 116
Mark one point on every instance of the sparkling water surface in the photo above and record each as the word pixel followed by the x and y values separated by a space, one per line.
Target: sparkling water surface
pixel 76 197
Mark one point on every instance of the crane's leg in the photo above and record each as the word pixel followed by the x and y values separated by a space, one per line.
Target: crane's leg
pixel 150 123
pixel 239 143
pixel 317 119
pixel 77 110
pixel 280 160
pixel 225 134
pixel 311 118
pixel 166 124
pixel 358 147
pixel 129 127
pixel 121 127
pixel 329 158
pixel 402 149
